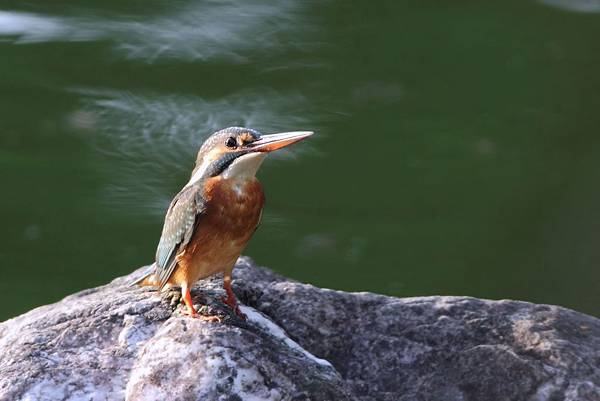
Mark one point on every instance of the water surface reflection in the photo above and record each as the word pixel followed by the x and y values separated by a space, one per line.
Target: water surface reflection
pixel 196 31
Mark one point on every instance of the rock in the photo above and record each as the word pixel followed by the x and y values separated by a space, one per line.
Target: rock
pixel 299 343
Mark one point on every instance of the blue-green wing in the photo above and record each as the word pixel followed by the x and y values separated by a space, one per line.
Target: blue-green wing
pixel 180 222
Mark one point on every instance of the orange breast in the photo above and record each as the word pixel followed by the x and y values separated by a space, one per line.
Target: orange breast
pixel 233 210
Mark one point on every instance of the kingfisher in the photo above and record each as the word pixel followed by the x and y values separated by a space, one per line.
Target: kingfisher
pixel 210 221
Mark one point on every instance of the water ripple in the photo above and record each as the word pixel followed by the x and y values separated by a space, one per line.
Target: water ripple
pixel 201 31
pixel 149 142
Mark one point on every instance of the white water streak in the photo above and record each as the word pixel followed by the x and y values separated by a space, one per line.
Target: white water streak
pixel 579 6
pixel 199 31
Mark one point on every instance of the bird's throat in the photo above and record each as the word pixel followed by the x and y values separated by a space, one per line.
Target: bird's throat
pixel 244 167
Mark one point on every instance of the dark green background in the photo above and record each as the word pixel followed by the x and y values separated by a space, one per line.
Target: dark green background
pixel 457 147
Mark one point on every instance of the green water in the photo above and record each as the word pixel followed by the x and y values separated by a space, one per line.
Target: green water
pixel 457 147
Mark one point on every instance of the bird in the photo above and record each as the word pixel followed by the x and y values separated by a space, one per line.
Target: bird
pixel 210 221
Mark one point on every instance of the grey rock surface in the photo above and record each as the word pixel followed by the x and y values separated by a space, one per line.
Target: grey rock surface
pixel 299 343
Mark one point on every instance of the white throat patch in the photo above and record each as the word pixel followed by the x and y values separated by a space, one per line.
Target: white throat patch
pixel 244 166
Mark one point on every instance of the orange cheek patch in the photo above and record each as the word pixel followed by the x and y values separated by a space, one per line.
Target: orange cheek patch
pixel 246 138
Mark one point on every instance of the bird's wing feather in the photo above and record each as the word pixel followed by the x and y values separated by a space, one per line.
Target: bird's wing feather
pixel 180 222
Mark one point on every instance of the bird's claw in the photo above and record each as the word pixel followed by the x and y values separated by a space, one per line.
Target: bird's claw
pixel 240 314
pixel 234 307
pixel 206 318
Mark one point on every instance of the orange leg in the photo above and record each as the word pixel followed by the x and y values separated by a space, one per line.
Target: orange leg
pixel 191 311
pixel 187 300
pixel 231 299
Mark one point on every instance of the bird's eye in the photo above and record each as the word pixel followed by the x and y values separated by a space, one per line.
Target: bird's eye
pixel 231 142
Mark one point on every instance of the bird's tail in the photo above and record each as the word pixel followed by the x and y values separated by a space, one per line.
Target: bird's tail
pixel 146 278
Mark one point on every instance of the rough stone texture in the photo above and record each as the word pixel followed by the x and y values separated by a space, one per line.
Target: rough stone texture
pixel 299 343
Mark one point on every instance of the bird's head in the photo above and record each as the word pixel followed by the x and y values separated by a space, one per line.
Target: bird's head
pixel 237 152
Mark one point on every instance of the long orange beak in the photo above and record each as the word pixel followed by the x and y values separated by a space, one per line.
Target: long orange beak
pixel 269 143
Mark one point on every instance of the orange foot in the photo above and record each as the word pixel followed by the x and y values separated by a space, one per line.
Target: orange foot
pixel 231 302
pixel 191 311
pixel 230 299
pixel 204 318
